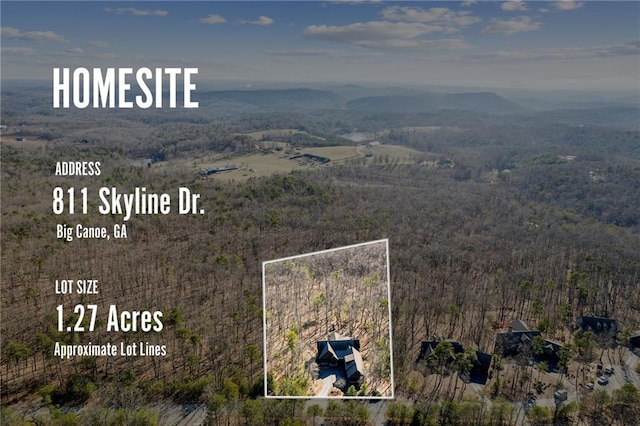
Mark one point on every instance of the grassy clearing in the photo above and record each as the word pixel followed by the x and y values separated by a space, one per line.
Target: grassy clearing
pixel 269 162
pixel 335 153
pixel 424 129
pixel 256 165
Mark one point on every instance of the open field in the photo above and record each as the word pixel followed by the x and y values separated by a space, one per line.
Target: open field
pixel 269 162
pixel 252 165
pixel 335 153
pixel 424 129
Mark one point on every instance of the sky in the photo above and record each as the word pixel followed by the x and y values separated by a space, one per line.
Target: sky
pixel 539 45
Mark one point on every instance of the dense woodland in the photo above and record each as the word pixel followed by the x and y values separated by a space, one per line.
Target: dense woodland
pixel 306 298
pixel 504 229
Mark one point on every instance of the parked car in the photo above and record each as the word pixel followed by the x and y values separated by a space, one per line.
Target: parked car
pixel 589 386
pixel 608 370
pixel 603 380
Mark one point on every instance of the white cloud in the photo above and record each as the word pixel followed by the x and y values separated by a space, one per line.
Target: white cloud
pixel 213 19
pixel 384 35
pixel 514 6
pixel 560 53
pixel 401 28
pixel 468 3
pixel 14 33
pixel 136 12
pixel 74 52
pixel 262 20
pixel 568 4
pixel 18 51
pixel 369 31
pixel 436 15
pixel 418 44
pixel 521 24
pixel 327 53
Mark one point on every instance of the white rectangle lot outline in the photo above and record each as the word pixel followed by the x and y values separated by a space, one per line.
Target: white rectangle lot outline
pixel 264 325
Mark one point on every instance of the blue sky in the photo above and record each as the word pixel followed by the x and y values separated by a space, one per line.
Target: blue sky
pixel 504 44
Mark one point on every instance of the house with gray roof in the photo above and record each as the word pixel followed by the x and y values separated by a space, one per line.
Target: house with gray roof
pixel 344 352
pixel 598 325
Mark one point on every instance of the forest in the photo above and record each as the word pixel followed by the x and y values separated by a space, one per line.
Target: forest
pixel 308 298
pixel 532 216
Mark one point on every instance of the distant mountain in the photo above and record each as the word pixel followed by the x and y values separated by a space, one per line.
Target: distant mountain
pixel 350 92
pixel 284 99
pixel 486 102
pixel 608 116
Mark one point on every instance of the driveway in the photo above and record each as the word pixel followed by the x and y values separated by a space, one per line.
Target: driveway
pixel 327 384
